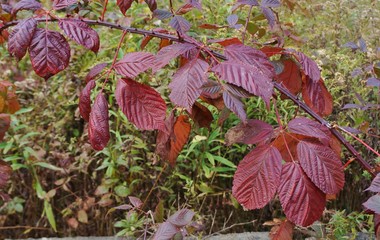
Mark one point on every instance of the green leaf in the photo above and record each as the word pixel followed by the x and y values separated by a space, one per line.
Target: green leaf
pixel 48 166
pixel 50 215
pixel 225 161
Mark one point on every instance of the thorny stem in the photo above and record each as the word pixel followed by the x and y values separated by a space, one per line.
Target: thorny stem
pixel 278 86
pixel 246 24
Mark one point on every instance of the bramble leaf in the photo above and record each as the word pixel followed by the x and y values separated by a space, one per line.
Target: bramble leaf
pixel 375 185
pixel 283 231
pixel 141 104
pixel 98 128
pixel 309 66
pixel 187 82
pixel 21 36
pixel 179 137
pixel 257 177
pixel 180 24
pixel 26 5
pixel 311 128
pixel 182 217
pixel 81 33
pixel 5 123
pixel 201 115
pixel 95 71
pixel 124 5
pixel 85 100
pixel 134 63
pixel 151 4
pixel 252 132
pixel 49 52
pixel 373 204
pixel 170 52
pixel 322 166
pixel 317 97
pixel 235 105
pixel 290 77
pixel 302 202
pixel 60 4
pixel 166 230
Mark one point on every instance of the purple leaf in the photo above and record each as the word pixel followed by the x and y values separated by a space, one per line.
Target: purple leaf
pixel 182 217
pixel 232 20
pixel 373 204
pixel 309 67
pixel 311 128
pixel 270 3
pixel 269 15
pixel 373 82
pixel 95 71
pixel 134 63
pixel 180 24
pixel 235 105
pixel 362 45
pixel 351 105
pixel 187 82
pixel 257 177
pixel 85 100
pixel 252 132
pixel 165 231
pixel 21 36
pixel 375 185
pixel 244 2
pixel 170 52
pixel 212 89
pixel 141 104
pixel 352 130
pixel 60 4
pixel 162 14
pixel 98 127
pixel 195 3
pixel 26 5
pixel 351 45
pixel 49 52
pixel 237 91
pixel 136 202
pixel 81 33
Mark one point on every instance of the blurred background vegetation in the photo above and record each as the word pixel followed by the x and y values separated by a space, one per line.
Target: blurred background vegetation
pixel 61 187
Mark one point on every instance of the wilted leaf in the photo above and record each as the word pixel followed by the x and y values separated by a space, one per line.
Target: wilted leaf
pixel 181 218
pixel 252 132
pixel 179 137
pixel 136 202
pixel 311 128
pixel 134 63
pixel 95 71
pixel 82 216
pixel 5 123
pixel 80 32
pixel 170 52
pixel 210 26
pixel 142 105
pixel 187 82
pixel 49 52
pixel 322 166
pixel 85 100
pixel 21 36
pixel 317 97
pixel 201 115
pixel 375 185
pixel 60 4
pixel 302 202
pixel 98 128
pixel 165 231
pixel 26 5
pixel 373 204
pixel 180 24
pixel 257 177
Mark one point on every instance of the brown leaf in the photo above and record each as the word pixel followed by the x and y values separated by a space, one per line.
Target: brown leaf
pixel 179 138
pixel 201 115
pixel 5 173
pixel 283 231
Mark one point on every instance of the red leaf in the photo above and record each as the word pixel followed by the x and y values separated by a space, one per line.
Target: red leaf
pixel 85 100
pixel 21 36
pixel 201 115
pixel 179 137
pixel 257 177
pixel 98 128
pixel 170 52
pixel 302 202
pixel 95 71
pixel 181 218
pixel 375 185
pixel 245 76
pixel 5 123
pixel 142 105
pixel 373 204
pixel 136 202
pixel 322 166
pixel 163 137
pixel 235 105
pixel 226 42
pixel 184 9
pixel 59 4
pixel 284 231
pixel 124 5
pixel 252 132
pixel 49 52
pixel 309 67
pixel 290 77
pixel 81 33
pixel 165 231
pixel 5 173
pixel 317 97
pixel 134 63
pixel 187 82
pixel 13 104
pixel 210 26
pixel 291 141
pixel 180 24
pixel 311 128
pixel 151 4
pixel 26 5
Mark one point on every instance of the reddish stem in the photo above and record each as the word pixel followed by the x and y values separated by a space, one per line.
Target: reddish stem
pixel 104 10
